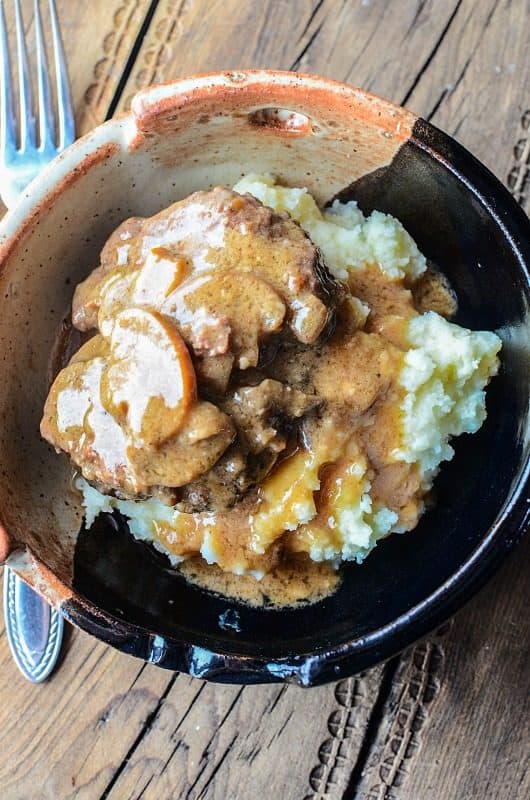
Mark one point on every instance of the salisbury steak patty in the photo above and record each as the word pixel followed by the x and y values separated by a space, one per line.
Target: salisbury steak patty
pixel 207 236
pixel 205 291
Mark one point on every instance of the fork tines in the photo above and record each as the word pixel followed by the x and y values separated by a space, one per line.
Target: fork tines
pixel 28 138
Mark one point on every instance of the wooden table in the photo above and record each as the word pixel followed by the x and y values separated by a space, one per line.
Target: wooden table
pixel 449 718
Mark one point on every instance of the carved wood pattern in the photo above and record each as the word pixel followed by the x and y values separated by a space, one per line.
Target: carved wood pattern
pixel 346 725
pixel 111 43
pixel 519 175
pixel 415 688
pixel 116 44
pixel 151 65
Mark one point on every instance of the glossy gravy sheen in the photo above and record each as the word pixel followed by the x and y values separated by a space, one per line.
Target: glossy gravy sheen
pixel 355 371
pixel 297 579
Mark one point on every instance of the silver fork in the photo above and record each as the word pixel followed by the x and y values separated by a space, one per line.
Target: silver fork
pixel 34 629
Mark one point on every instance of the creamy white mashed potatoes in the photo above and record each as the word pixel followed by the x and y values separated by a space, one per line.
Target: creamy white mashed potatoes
pixel 347 239
pixel 444 374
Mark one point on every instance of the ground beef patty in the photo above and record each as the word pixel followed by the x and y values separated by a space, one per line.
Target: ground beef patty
pixel 236 281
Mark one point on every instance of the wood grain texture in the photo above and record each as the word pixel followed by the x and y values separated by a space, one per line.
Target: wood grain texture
pixel 476 86
pixel 64 739
pixel 361 43
pixel 219 742
pixel 445 721
pixel 463 65
pixel 455 724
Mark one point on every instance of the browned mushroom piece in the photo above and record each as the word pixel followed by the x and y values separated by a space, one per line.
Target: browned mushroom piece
pixel 86 300
pixel 75 421
pixel 227 313
pixel 197 447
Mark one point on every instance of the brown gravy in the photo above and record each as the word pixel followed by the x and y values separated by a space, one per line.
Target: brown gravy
pixel 433 292
pixel 292 578
pixel 294 582
pixel 298 580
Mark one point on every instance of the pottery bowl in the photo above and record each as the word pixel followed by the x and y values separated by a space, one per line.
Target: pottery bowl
pixel 334 139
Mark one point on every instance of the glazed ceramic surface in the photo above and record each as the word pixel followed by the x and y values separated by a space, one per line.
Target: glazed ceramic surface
pixel 334 139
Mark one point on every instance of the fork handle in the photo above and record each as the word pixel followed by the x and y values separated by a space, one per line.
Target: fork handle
pixel 34 629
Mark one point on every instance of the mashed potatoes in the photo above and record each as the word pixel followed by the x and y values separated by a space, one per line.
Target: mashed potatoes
pixel 443 374
pixel 347 238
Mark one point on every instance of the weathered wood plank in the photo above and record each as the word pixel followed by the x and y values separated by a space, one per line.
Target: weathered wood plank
pixel 477 85
pixel 376 45
pixel 186 37
pixel 67 737
pixel 463 64
pixel 456 722
pixel 105 726
pixel 211 741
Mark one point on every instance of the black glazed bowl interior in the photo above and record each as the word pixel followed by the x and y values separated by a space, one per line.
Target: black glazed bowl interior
pixel 124 592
